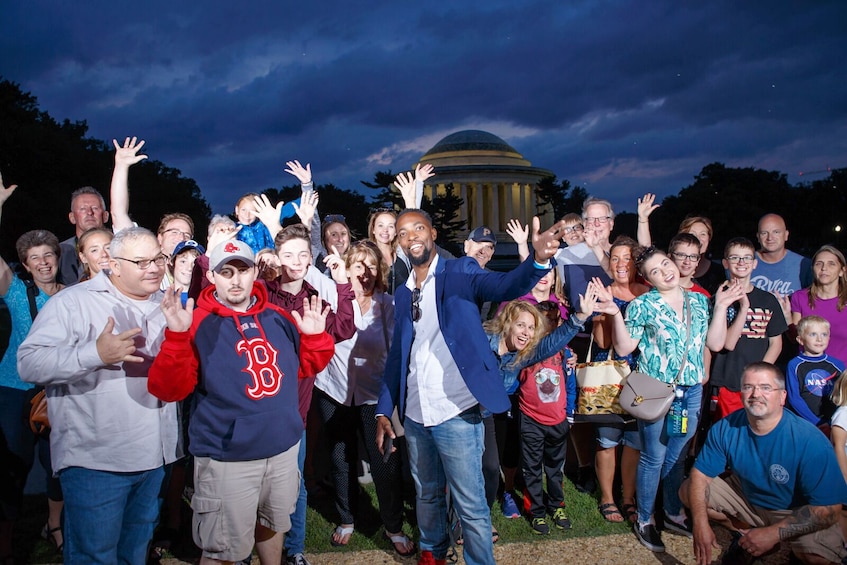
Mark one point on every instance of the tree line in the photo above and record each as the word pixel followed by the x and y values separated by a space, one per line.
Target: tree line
pixel 50 159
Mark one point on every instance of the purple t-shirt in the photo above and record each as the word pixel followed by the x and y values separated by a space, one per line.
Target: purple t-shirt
pixel 827 309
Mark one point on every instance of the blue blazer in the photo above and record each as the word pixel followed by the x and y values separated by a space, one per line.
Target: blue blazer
pixel 460 284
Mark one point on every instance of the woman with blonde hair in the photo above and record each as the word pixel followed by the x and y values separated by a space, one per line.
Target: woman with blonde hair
pixel 93 249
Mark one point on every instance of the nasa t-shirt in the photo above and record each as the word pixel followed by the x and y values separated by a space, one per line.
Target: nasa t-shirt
pixel 815 377
pixel 791 466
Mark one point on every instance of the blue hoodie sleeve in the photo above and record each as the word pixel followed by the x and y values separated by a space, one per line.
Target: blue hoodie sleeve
pixel 570 383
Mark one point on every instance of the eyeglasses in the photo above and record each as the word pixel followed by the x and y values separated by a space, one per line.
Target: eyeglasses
pixel 598 220
pixel 184 234
pixel 335 219
pixel 740 258
pixel 577 228
pixel 144 264
pixel 416 304
pixel 764 389
pixel 683 256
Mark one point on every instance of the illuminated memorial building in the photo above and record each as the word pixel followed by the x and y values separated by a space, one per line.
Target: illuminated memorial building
pixel 493 180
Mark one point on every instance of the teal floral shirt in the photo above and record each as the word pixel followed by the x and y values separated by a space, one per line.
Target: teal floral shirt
pixel 661 336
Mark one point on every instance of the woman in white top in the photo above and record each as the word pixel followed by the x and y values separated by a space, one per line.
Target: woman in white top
pixel 346 396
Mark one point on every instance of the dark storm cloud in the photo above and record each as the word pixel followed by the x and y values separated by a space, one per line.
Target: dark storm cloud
pixel 618 95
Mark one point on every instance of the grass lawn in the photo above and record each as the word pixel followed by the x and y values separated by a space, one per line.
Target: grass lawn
pixel 322 519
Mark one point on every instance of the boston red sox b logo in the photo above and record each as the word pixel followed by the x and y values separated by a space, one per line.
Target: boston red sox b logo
pixel 231 247
pixel 261 365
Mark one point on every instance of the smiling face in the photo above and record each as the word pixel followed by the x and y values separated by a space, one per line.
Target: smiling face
pixel 244 211
pixel 814 338
pixel 42 263
pixel 172 233
pixel 661 272
pixel 686 256
pixel 701 232
pixel 482 251
pixel 383 228
pixel 740 261
pixel 762 405
pixel 130 279
pixel 336 235
pixel 545 283
pixel 597 218
pixel 363 275
pixel 416 237
pixel 827 268
pixel 622 265
pixel 95 252
pixel 295 256
pixel 183 267
pixel 772 234
pixel 574 233
pixel 520 332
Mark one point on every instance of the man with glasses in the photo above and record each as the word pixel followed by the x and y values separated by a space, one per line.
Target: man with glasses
pixel 444 379
pixel 755 327
pixel 783 484
pixel 583 261
pixel 88 211
pixel 779 270
pixel 92 346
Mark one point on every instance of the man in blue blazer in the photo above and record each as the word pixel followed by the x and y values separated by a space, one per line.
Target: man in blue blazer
pixel 443 377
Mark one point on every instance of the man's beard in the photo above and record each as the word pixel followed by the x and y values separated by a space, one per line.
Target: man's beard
pixel 423 259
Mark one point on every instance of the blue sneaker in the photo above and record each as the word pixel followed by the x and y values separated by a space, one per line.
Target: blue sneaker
pixel 510 509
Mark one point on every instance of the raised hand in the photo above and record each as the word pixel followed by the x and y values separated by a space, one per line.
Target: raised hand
pixel 307 207
pixel 546 243
pixel 592 237
pixel 127 155
pixel 313 320
pixel 646 206
pixel 5 192
pixel 605 301
pixel 405 183
pixel 728 293
pixel 785 304
pixel 177 316
pixel 114 348
pixel 423 172
pixel 303 174
pixel 220 234
pixel 589 302
pixel 336 266
pixel 517 232
pixel 267 214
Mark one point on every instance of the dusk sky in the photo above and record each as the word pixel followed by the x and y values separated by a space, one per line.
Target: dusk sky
pixel 620 97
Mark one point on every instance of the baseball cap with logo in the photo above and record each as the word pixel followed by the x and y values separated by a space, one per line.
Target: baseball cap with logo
pixel 186 245
pixel 230 251
pixel 483 234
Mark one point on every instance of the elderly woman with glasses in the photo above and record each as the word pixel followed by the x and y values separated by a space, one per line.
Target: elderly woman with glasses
pixel 670 327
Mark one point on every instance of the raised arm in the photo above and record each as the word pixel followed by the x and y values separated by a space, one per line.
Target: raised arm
pixel 5 271
pixel 623 342
pixel 268 214
pixel 521 235
pixel 733 332
pixel 126 155
pixel 646 206
pixel 405 183
pixel 728 293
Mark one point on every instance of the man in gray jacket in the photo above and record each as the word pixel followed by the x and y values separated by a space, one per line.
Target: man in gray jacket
pixel 91 346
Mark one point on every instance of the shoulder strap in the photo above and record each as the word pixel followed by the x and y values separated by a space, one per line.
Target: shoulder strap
pixel 31 293
pixel 686 307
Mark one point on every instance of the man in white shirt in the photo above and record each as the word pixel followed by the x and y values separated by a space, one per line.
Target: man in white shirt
pixel 91 346
pixel 444 378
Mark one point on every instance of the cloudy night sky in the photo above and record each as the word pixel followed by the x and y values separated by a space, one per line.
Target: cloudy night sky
pixel 620 97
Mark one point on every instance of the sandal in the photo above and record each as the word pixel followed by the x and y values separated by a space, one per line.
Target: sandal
pixel 495 536
pixel 403 539
pixel 630 511
pixel 49 534
pixel 342 532
pixel 608 510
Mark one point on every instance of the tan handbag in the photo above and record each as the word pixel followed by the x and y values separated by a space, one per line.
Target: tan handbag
pixel 38 420
pixel 599 385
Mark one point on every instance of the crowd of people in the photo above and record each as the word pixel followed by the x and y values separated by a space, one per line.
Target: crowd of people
pixel 173 367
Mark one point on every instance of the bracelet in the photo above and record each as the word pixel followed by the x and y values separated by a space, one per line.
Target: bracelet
pixel 644 222
pixel 616 313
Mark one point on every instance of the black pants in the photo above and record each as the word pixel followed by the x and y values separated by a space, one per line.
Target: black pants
pixel 543 448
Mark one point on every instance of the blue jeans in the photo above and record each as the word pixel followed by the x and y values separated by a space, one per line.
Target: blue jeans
pixel 450 455
pixel 662 458
pixel 109 516
pixel 295 538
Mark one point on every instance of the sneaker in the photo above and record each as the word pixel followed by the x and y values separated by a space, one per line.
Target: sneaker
pixel 561 520
pixel 649 537
pixel 683 529
pixel 540 527
pixel 427 559
pixel 297 559
pixel 510 509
